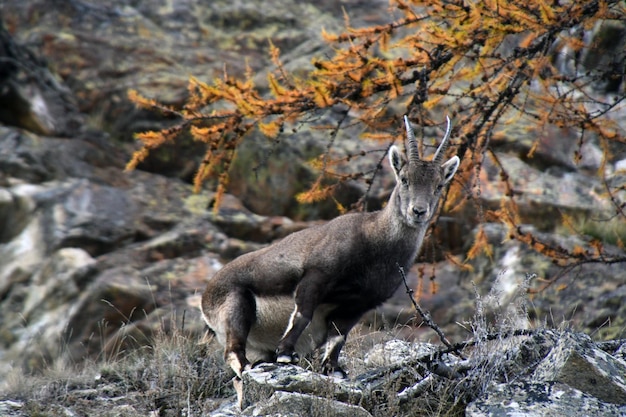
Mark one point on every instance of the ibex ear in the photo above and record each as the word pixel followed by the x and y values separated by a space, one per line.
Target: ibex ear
pixel 396 160
pixel 449 168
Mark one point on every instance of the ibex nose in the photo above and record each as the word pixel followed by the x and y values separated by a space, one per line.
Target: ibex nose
pixel 419 211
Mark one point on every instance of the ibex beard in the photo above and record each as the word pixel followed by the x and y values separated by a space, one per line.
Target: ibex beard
pixel 312 287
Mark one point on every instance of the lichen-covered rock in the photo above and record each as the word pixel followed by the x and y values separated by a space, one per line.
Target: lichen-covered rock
pixel 620 353
pixel 263 380
pixel 36 315
pixel 549 399
pixel 9 408
pixel 289 404
pixel 32 96
pixel 592 300
pixel 37 159
pixel 546 381
pixel 395 352
pixel 541 191
pixel 577 362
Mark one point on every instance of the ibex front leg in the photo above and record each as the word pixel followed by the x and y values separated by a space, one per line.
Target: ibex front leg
pixel 309 292
pixel 339 325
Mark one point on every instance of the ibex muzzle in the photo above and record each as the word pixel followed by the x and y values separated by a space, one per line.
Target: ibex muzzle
pixel 312 287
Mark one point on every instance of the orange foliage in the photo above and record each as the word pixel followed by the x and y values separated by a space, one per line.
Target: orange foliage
pixel 436 54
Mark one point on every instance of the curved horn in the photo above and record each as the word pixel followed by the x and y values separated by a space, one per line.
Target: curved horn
pixel 444 143
pixel 412 148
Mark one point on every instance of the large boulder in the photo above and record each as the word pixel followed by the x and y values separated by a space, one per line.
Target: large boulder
pixel 289 404
pixel 552 399
pixel 577 362
pixel 537 373
pixel 32 97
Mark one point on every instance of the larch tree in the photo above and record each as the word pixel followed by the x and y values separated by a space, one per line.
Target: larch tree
pixel 485 63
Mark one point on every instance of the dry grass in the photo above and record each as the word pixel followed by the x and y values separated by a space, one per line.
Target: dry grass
pixel 180 374
pixel 175 375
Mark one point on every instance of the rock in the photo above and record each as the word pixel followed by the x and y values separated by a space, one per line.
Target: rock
pixel 575 361
pixel 601 60
pixel 551 148
pixel 262 381
pixel 240 223
pixel 395 352
pixel 543 192
pixel 557 374
pixel 37 159
pixel 97 218
pixel 400 379
pixel 36 315
pixel 44 218
pixel 57 282
pixel 621 352
pixel 550 399
pixel 229 409
pixel 262 168
pixel 22 247
pixel 118 297
pixel 11 408
pixel 289 404
pixel 153 47
pixel 586 299
pixel 410 381
pixel 32 97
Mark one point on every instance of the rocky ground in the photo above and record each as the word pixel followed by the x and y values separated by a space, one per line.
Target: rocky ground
pixel 101 269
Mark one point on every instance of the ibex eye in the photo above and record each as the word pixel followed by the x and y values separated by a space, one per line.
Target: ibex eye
pixel 404 181
pixel 439 188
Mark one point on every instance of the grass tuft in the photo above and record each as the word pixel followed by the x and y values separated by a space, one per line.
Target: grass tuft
pixel 173 375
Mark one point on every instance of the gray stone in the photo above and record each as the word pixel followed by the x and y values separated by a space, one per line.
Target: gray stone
pixel 289 404
pixel 542 189
pixel 549 399
pixel 230 409
pixel 577 362
pixel 620 353
pixel 23 247
pixel 37 314
pixel 395 351
pixel 94 217
pixel 9 408
pixel 56 282
pixel 33 96
pixel 262 381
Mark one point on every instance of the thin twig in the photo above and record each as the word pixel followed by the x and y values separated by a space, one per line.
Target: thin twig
pixel 488 337
pixel 426 315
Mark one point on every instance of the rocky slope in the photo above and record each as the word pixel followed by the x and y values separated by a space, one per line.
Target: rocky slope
pixel 95 261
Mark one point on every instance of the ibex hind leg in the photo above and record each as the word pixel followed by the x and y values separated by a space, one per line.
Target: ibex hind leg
pixel 240 314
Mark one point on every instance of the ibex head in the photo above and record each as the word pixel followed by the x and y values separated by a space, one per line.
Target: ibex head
pixel 420 182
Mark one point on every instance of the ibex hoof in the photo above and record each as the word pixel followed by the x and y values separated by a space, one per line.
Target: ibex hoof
pixel 287 357
pixel 335 372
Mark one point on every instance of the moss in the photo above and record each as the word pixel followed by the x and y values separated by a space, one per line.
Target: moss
pixel 614 331
pixel 198 203
pixel 608 230
pixel 611 231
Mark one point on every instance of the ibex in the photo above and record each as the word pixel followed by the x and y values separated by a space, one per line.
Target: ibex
pixel 313 286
